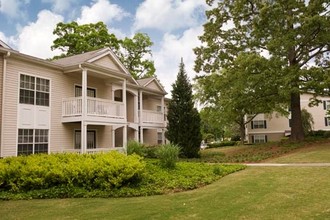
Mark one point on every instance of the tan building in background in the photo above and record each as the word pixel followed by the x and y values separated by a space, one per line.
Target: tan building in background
pixel 84 103
pixel 273 127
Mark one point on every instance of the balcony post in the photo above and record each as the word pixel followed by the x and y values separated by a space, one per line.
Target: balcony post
pixel 141 107
pixel 136 110
pixel 162 111
pixel 84 111
pixel 163 136
pixel 125 100
pixel 141 134
pixel 125 138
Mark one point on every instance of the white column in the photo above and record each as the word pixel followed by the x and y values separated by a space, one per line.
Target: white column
pixel 124 99
pixel 125 137
pixel 141 134
pixel 113 137
pixel 163 111
pixel 141 107
pixel 136 110
pixel 136 134
pixel 84 111
pixel 163 136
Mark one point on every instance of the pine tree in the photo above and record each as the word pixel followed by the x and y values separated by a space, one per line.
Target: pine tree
pixel 183 126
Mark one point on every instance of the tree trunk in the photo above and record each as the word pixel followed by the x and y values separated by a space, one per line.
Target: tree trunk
pixel 242 132
pixel 297 131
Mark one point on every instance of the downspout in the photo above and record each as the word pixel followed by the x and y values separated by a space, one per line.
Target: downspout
pixel 3 99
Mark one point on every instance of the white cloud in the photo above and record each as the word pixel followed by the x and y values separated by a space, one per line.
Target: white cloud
pixel 12 8
pixel 167 59
pixel 169 15
pixel 60 5
pixel 101 10
pixel 37 37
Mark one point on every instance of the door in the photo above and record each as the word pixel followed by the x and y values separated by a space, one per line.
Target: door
pixel 91 139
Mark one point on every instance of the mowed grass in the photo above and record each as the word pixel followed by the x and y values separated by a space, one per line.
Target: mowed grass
pixel 318 153
pixel 254 193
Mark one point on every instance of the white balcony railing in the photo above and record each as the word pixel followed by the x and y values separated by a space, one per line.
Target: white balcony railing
pixel 152 117
pixel 72 107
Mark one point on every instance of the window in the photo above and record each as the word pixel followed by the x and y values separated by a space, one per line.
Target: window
pixel 258 124
pixel 32 141
pixel 259 138
pixel 326 105
pixel 91 139
pixel 90 92
pixel 159 137
pixel 159 108
pixel 34 90
pixel 327 121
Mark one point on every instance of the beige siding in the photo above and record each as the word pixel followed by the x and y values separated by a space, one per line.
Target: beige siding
pixel 107 62
pixel 1 90
pixel 150 136
pixel 270 136
pixel 154 85
pixel 150 103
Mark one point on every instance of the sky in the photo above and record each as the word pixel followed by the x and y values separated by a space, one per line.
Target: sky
pixel 173 26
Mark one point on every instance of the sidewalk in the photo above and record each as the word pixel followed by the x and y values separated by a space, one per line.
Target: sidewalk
pixel 287 164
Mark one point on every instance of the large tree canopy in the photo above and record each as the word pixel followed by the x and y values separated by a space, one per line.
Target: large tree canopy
pixel 134 53
pixel 294 33
pixel 247 88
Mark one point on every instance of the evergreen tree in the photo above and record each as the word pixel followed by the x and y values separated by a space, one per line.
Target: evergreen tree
pixel 183 126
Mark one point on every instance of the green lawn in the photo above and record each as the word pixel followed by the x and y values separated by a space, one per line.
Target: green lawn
pixel 313 154
pixel 254 193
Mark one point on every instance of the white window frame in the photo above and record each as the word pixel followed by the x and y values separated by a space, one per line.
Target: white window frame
pixel 259 138
pixel 159 137
pixel 24 140
pixel 88 88
pixel 258 124
pixel 34 90
pixel 89 130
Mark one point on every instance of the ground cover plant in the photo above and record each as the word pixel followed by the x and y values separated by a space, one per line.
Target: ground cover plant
pixel 100 175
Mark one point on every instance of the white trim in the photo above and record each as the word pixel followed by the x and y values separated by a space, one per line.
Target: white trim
pixel 88 87
pixel 4 74
pixel 157 82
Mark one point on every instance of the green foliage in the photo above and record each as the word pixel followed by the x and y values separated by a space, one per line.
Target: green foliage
pixel 211 127
pixel 88 171
pixel 155 180
pixel 135 147
pixel 222 144
pixel 183 128
pixel 168 155
pixel 73 39
pixel 307 121
pixel 292 33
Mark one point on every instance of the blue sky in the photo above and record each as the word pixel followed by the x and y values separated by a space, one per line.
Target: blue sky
pixel 173 25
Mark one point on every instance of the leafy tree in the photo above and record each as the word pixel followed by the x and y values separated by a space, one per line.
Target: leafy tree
pixel 76 39
pixel 133 53
pixel 183 127
pixel 247 88
pixel 294 32
pixel 211 125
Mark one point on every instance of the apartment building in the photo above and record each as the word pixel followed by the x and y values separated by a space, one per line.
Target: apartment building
pixel 84 103
pixel 273 127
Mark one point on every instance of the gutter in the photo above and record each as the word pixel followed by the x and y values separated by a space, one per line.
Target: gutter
pixel 5 57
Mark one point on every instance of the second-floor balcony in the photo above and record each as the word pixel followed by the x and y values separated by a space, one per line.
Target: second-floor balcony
pixel 152 117
pixel 102 109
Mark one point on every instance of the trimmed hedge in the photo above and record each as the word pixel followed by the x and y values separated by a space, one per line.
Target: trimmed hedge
pixel 89 171
pixel 222 144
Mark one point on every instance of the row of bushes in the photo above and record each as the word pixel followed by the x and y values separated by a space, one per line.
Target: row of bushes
pixel 88 171
pixel 222 144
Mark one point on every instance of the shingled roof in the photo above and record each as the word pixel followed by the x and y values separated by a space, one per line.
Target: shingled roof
pixel 80 58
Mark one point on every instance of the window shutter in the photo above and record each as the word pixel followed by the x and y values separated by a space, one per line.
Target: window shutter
pixel 266 138
pixel 326 121
pixel 251 124
pixel 325 105
pixel 252 139
pixel 265 124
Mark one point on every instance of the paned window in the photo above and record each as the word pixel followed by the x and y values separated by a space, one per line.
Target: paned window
pixel 256 124
pixel 91 139
pixel 90 92
pixel 326 105
pixel 159 137
pixel 32 141
pixel 327 121
pixel 259 138
pixel 34 90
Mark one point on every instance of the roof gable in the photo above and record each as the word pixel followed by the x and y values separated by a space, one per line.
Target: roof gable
pixel 151 83
pixel 3 44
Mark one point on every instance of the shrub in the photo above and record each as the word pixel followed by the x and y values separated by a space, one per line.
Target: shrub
pixel 150 151
pixel 134 147
pixel 168 155
pixel 89 171
pixel 222 144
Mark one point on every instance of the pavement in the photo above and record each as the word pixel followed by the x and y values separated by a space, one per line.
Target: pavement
pixel 287 164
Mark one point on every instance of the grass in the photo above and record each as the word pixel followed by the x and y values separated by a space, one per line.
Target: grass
pixel 255 193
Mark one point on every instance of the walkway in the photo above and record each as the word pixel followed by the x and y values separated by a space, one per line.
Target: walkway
pixel 288 164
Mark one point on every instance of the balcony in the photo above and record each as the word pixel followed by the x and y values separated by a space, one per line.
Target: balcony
pixel 97 109
pixel 152 117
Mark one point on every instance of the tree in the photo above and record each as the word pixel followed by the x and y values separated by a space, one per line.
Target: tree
pixel 183 126
pixel 307 121
pixel 76 39
pixel 294 32
pixel 211 126
pixel 133 53
pixel 237 94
